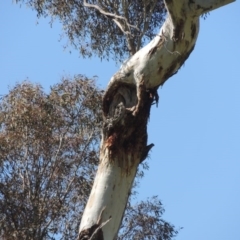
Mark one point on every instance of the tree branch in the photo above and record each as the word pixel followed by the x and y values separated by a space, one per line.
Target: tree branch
pixel 203 6
pixel 133 87
pixel 113 16
pixel 157 61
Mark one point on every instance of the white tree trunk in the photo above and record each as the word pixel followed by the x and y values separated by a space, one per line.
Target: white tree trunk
pixel 126 107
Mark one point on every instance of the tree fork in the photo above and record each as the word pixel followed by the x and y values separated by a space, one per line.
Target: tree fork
pixel 126 108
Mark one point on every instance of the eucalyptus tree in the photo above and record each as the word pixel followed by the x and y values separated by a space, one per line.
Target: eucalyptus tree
pixel 49 152
pixel 48 157
pixel 120 29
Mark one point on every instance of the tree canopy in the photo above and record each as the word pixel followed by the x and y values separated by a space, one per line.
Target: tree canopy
pixel 49 143
pixel 108 29
pixel 49 151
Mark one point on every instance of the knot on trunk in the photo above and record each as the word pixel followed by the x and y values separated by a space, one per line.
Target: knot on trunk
pixel 126 111
pixel 93 233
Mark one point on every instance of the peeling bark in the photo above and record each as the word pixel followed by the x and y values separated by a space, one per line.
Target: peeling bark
pixel 126 108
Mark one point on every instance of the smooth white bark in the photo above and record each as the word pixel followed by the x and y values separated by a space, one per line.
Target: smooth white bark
pixel 167 52
pixel 151 66
pixel 109 194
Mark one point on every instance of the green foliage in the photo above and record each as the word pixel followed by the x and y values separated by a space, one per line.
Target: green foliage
pixel 94 33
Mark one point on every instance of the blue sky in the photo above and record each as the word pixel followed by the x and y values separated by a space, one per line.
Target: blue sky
pixel 195 164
